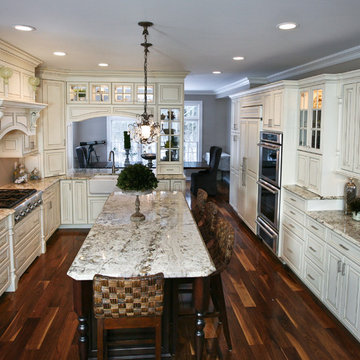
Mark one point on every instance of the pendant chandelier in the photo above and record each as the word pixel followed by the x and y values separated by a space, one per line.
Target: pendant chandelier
pixel 145 130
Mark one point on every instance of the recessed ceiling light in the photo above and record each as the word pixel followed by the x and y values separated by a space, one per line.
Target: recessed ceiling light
pixel 24 27
pixel 103 64
pixel 287 26
pixel 59 53
pixel 237 58
pixel 216 72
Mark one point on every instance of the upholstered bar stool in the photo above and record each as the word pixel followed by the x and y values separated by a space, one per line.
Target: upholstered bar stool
pixel 199 207
pixel 124 303
pixel 221 250
pixel 208 225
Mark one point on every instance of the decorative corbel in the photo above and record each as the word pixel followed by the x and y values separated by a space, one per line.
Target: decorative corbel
pixel 2 108
pixel 34 115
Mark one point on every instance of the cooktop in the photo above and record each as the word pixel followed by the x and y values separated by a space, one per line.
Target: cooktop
pixel 11 197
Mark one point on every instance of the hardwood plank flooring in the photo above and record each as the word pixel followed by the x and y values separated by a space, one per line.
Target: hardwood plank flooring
pixel 271 313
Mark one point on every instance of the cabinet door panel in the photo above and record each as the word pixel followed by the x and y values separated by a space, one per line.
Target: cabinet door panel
pixel 53 115
pixel 95 206
pixel 233 195
pixel 314 173
pixel 79 202
pixel 348 122
pixel 54 163
pixel 277 109
pixel 66 202
pixel 356 147
pixel 302 169
pixel 251 202
pixel 333 280
pixel 252 148
pixel 351 314
pixel 268 111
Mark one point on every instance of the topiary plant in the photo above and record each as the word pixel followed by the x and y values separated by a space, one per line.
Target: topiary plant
pixel 137 177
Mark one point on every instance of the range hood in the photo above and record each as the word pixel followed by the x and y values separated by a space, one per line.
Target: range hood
pixel 19 115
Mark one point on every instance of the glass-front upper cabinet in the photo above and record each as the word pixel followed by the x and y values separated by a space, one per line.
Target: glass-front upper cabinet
pixel 310 119
pixel 170 135
pixel 140 94
pixel 123 93
pixel 77 93
pixel 100 93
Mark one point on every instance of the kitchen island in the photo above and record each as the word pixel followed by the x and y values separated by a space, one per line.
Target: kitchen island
pixel 168 241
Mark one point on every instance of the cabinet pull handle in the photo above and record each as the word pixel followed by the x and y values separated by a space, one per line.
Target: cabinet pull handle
pixel 339 266
pixel 234 138
pixel 343 269
pixel 310 277
pixel 344 247
pixel 289 250
pixel 312 249
pixel 50 205
pixel 291 225
pixel 292 212
pixel 314 227
pixel 294 200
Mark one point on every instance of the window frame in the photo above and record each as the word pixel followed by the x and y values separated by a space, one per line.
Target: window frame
pixel 200 121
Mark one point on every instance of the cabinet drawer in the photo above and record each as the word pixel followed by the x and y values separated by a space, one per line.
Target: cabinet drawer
pixel 315 249
pixel 4 240
pixel 26 256
pixel 4 256
pixel 169 169
pixel 292 251
pixel 293 226
pixel 26 225
pixel 21 242
pixel 294 214
pixel 49 192
pixel 294 200
pixel 345 247
pixel 4 277
pixel 314 278
pixel 4 225
pixel 315 227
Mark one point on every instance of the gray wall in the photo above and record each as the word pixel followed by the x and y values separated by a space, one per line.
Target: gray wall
pixel 216 121
pixel 91 130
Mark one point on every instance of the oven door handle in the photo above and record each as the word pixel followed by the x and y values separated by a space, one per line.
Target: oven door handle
pixel 273 236
pixel 271 146
pixel 268 187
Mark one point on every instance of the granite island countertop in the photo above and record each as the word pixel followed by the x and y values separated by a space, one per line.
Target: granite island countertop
pixel 168 241
pixel 307 194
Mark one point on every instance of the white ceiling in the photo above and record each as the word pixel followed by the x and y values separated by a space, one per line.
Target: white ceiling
pixel 198 36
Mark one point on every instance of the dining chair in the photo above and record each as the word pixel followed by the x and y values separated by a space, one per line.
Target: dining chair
pixel 199 207
pixel 135 302
pixel 221 250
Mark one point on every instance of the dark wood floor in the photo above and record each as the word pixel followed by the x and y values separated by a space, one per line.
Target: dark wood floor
pixel 271 314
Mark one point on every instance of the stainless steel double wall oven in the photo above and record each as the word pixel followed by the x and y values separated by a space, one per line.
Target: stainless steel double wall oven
pixel 269 187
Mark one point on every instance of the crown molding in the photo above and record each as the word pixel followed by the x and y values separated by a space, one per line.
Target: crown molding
pixel 333 59
pixel 89 75
pixel 199 92
pixel 242 84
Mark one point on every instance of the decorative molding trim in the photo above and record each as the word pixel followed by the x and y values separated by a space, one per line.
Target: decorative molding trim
pixel 200 92
pixel 241 84
pixel 333 59
pixel 18 53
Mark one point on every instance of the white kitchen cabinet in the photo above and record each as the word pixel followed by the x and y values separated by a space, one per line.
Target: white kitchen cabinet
pixel 350 143
pixel 234 191
pixel 309 171
pixel 95 206
pixel 272 113
pixel 293 251
pixel 171 94
pixel 4 255
pixel 51 208
pixel 54 162
pixel 73 202
pixel 53 117
pixel 317 129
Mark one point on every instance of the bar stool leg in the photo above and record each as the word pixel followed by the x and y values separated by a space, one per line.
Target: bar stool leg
pixel 158 338
pixel 100 339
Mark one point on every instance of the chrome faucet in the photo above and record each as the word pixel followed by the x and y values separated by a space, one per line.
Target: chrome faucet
pixel 113 164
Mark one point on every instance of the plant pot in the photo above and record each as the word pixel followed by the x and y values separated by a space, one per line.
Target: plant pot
pixel 356 215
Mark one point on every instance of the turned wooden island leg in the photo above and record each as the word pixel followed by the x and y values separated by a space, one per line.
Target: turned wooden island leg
pixel 82 302
pixel 201 298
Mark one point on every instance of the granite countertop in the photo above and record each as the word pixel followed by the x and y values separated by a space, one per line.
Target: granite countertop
pixel 340 223
pixel 307 194
pixel 5 213
pixel 167 241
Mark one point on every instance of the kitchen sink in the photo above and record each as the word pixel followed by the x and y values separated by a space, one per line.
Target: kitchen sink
pixel 103 184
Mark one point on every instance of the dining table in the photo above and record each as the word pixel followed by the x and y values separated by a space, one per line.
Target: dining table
pixel 168 241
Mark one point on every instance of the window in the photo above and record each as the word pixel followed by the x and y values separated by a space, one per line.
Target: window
pixel 192 130
pixel 116 125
